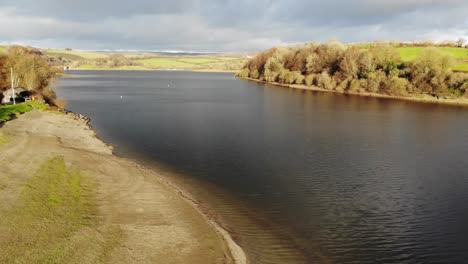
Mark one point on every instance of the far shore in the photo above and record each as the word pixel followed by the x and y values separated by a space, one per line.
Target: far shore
pixel 416 98
pixel 139 215
pixel 148 69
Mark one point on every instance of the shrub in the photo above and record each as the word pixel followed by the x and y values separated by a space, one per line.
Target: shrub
pixel 343 85
pixel 431 71
pixel 272 69
pixel 244 73
pixel 398 86
pixel 60 103
pixel 300 79
pixel 312 65
pixel 254 74
pixel 464 88
pixel 309 79
pixel 385 56
pixel 433 61
pixel 49 95
pixel 375 81
pixel 325 81
pixel 355 85
pixel 366 64
pixel 283 76
pixel 349 66
pixel 294 77
pixel 259 61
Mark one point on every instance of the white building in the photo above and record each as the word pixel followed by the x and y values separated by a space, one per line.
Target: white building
pixel 8 95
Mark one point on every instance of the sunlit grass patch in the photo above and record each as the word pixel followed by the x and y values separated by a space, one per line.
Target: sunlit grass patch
pixel 3 139
pixel 461 67
pixel 3 49
pixel 53 219
pixel 198 60
pixel 7 111
pixel 459 54
pixel 410 53
pixel 63 55
pixel 52 206
pixel 77 53
pixel 162 62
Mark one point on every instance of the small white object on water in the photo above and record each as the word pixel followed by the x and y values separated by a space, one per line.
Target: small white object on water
pixel 168 85
pixel 121 97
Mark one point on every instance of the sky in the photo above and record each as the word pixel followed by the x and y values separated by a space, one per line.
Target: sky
pixel 225 25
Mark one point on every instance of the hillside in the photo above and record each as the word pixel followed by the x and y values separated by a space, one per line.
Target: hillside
pixel 145 60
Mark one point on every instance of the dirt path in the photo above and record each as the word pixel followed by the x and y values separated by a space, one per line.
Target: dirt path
pixel 157 224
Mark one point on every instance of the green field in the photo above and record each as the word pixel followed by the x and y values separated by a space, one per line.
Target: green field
pixel 7 111
pixel 198 60
pixel 163 62
pixel 411 53
pixel 51 208
pixel 75 54
pixel 3 49
pixel 459 54
pixel 461 67
pixel 64 55
pixel 212 62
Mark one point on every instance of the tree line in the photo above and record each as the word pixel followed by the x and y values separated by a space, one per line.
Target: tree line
pixel 32 71
pixel 374 69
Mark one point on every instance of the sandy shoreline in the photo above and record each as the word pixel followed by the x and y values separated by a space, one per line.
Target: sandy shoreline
pixel 421 98
pixel 159 221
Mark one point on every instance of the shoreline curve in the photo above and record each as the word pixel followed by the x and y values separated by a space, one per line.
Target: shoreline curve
pixel 156 216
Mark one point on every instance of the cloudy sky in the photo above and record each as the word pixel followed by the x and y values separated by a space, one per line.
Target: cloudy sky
pixel 225 25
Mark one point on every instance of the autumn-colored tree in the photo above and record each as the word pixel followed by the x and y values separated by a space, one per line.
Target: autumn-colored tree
pixel 349 65
pixel 376 68
pixel 431 71
pixel 31 69
pixel 387 58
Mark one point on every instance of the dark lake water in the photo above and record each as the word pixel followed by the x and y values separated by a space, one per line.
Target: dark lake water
pixel 296 176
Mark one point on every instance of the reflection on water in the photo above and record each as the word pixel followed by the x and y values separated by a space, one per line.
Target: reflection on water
pixel 297 176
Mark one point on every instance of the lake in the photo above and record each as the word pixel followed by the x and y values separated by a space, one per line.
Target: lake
pixel 295 176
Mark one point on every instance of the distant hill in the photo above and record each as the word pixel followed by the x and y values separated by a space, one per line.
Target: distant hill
pixel 143 60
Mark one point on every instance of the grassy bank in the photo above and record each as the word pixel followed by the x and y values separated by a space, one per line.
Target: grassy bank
pixel 55 204
pixel 8 111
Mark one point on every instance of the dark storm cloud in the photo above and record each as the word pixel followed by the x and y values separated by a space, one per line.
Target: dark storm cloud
pixel 227 25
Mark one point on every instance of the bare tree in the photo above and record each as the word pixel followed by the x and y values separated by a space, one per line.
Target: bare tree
pixel 461 42
pixel 30 79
